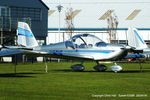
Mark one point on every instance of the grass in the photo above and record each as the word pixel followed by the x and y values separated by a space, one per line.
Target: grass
pixel 61 83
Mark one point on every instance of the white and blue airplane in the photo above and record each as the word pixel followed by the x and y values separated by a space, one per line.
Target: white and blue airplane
pixel 135 40
pixel 81 47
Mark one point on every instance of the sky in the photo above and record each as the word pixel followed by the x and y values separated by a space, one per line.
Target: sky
pixel 92 10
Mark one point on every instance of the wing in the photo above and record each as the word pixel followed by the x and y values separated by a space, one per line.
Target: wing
pixel 10 52
pixel 34 53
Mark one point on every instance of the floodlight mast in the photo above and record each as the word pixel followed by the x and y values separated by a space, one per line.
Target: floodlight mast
pixel 59 8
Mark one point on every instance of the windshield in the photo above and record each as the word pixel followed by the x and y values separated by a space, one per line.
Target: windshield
pixel 87 41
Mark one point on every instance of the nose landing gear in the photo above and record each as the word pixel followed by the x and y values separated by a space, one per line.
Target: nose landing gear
pixel 116 68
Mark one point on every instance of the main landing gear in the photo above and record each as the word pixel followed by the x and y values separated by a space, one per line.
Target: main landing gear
pixel 100 67
pixel 80 67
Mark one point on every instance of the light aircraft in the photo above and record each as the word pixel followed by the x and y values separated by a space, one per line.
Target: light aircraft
pixel 82 47
pixel 135 40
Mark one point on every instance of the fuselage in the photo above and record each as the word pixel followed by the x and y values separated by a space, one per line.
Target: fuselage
pixel 95 50
pixel 146 51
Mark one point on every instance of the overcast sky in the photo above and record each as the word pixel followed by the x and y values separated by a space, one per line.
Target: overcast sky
pixel 92 10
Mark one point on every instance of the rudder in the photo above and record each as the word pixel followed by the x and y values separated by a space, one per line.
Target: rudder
pixel 25 36
pixel 134 39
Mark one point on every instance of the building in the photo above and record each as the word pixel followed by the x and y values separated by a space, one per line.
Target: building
pixel 34 12
pixel 91 16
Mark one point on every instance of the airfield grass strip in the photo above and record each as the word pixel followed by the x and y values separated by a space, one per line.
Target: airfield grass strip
pixel 31 82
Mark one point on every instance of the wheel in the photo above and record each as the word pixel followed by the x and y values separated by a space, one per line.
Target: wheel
pixel 100 68
pixel 116 68
pixel 78 67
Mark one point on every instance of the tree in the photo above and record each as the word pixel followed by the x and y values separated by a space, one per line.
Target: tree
pixel 69 22
pixel 112 21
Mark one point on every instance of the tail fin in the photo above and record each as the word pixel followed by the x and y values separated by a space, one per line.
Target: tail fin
pixel 135 40
pixel 25 35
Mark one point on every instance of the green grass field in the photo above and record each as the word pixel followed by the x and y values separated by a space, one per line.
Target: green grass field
pixel 61 83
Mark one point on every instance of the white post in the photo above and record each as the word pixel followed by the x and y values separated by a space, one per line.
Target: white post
pixel 46 67
pixel 126 37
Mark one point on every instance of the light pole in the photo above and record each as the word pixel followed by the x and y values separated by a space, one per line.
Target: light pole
pixel 59 7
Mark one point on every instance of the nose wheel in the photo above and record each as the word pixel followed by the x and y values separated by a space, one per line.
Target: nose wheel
pixel 116 68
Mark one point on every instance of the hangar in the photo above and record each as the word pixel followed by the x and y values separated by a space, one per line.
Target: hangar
pixel 34 12
pixel 92 17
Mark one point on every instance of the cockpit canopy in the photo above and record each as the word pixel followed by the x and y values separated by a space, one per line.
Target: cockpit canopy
pixel 84 41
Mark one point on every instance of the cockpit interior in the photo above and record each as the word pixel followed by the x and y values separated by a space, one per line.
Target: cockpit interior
pixel 84 41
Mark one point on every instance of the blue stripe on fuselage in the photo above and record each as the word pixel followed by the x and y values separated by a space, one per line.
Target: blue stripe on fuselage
pixel 90 51
pixel 82 51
